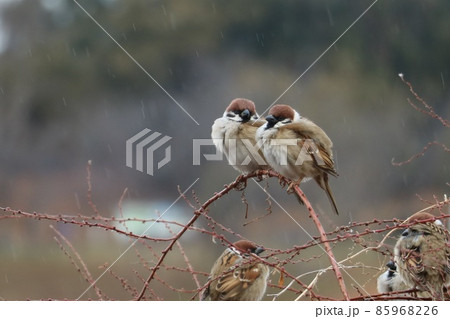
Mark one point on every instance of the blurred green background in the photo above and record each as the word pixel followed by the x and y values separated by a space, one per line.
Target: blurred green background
pixel 69 94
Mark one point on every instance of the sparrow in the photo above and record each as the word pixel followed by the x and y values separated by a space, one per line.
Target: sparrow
pixel 422 255
pixel 297 148
pixel 234 277
pixel 233 134
pixel 390 281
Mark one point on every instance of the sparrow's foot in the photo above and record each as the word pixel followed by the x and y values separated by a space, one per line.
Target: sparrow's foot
pixel 290 189
pixel 281 181
pixel 241 182
pixel 260 176
pixel 239 178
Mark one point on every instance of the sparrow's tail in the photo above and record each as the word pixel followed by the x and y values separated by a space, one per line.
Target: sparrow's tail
pixel 331 198
pixel 323 183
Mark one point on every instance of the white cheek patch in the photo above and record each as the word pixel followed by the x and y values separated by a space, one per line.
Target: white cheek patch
pixel 438 222
pixel 233 117
pixel 229 114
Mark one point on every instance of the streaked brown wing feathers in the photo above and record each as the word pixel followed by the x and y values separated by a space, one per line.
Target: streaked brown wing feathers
pixel 312 132
pixel 232 284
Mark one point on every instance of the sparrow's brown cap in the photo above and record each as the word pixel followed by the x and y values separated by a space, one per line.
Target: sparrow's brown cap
pixel 240 105
pixel 247 246
pixel 282 111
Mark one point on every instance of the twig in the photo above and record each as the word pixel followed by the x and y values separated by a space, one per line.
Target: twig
pixel 197 214
pixel 85 272
pixel 324 240
pixel 421 153
pixel 89 191
pixel 237 184
pixel 429 110
pixel 186 259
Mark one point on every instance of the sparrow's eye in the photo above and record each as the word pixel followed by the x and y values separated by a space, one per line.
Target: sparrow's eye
pixel 232 114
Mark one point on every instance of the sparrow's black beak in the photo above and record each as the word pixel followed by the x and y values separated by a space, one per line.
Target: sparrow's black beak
pixel 391 265
pixel 271 121
pixel 392 268
pixel 405 232
pixel 245 115
pixel 259 250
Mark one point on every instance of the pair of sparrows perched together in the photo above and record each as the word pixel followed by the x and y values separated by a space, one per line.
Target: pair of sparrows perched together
pixel 421 259
pixel 290 144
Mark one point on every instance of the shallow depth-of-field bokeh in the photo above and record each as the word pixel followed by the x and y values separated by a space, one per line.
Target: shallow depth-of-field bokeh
pixel 69 95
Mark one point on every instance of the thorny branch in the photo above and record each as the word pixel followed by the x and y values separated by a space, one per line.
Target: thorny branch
pixel 324 240
pixel 356 232
pixel 84 271
pixel 427 110
pixel 359 238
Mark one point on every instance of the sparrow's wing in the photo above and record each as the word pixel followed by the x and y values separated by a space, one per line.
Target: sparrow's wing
pixel 414 260
pixel 415 266
pixel 319 149
pixel 412 250
pixel 222 264
pixel 435 249
pixel 233 284
pixel 447 267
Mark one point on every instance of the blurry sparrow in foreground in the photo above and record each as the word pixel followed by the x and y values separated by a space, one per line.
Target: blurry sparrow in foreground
pixel 297 148
pixel 234 135
pixel 390 281
pixel 234 278
pixel 422 256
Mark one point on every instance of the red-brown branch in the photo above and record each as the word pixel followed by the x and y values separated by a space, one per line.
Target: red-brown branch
pixel 324 240
pixel 237 184
pixel 197 214
pixel 421 153
pixel 429 110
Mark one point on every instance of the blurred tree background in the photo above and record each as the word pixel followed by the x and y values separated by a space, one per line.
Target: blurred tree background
pixel 69 94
